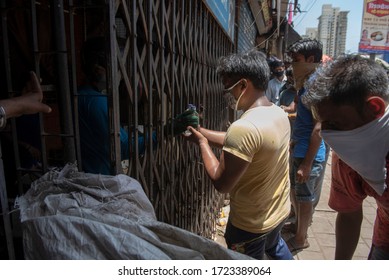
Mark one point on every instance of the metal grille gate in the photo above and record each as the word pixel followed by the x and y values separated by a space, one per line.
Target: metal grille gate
pixel 175 66
pixel 163 53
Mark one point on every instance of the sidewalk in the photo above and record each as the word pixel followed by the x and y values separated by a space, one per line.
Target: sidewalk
pixel 321 234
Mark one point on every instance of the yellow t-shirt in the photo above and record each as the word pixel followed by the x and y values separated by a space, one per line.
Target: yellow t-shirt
pixel 260 200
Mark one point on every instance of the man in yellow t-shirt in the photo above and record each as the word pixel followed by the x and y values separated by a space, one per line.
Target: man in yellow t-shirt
pixel 253 166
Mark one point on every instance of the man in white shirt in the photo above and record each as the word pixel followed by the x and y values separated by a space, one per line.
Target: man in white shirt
pixel 277 68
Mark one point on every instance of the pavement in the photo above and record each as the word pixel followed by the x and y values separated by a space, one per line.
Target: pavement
pixel 321 234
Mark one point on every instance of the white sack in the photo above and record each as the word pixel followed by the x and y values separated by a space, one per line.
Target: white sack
pixel 73 215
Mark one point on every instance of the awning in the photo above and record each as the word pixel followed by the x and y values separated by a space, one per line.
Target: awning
pixel 291 35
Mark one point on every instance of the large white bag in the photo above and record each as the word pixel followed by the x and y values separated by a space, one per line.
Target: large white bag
pixel 73 215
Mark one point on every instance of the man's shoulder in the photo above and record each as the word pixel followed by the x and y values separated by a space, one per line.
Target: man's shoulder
pixel 272 81
pixel 262 116
pixel 91 100
pixel 248 123
pixel 89 93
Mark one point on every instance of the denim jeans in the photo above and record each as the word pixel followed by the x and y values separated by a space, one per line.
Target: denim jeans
pixel 320 181
pixel 307 191
pixel 256 245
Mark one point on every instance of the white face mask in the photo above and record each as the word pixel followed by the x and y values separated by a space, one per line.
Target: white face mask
pixel 364 149
pixel 236 105
pixel 231 101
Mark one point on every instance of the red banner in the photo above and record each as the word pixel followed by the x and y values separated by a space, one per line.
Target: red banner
pixel 379 8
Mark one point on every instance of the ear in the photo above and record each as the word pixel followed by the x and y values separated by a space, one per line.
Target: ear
pixel 244 83
pixel 376 106
pixel 310 59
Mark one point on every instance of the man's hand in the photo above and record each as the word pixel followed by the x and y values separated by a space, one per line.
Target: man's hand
pixel 31 100
pixel 195 136
pixel 188 118
pixel 303 173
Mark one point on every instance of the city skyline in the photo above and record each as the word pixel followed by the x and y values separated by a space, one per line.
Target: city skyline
pixel 311 11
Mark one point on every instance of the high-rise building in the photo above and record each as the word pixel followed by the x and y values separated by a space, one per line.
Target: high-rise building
pixel 311 33
pixel 341 32
pixel 332 30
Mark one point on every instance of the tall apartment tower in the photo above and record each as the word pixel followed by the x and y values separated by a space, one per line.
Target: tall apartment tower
pixel 341 32
pixel 311 32
pixel 332 30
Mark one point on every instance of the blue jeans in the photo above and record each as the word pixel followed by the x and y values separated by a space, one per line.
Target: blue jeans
pixel 320 181
pixel 256 245
pixel 308 191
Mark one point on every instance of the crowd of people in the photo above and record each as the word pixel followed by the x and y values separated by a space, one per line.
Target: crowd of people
pixel 273 156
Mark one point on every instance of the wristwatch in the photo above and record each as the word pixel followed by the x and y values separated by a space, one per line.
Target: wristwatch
pixel 3 118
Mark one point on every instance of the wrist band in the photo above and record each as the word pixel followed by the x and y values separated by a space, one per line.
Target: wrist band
pixel 3 118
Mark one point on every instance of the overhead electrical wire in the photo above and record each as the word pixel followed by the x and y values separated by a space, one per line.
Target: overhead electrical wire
pixel 307 11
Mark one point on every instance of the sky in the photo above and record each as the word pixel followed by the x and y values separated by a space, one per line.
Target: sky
pixel 311 10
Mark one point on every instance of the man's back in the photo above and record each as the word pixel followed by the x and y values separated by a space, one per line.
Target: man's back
pixel 273 90
pixel 302 131
pixel 260 200
pixel 94 131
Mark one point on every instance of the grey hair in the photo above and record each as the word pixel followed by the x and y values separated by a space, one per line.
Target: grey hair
pixel 348 80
